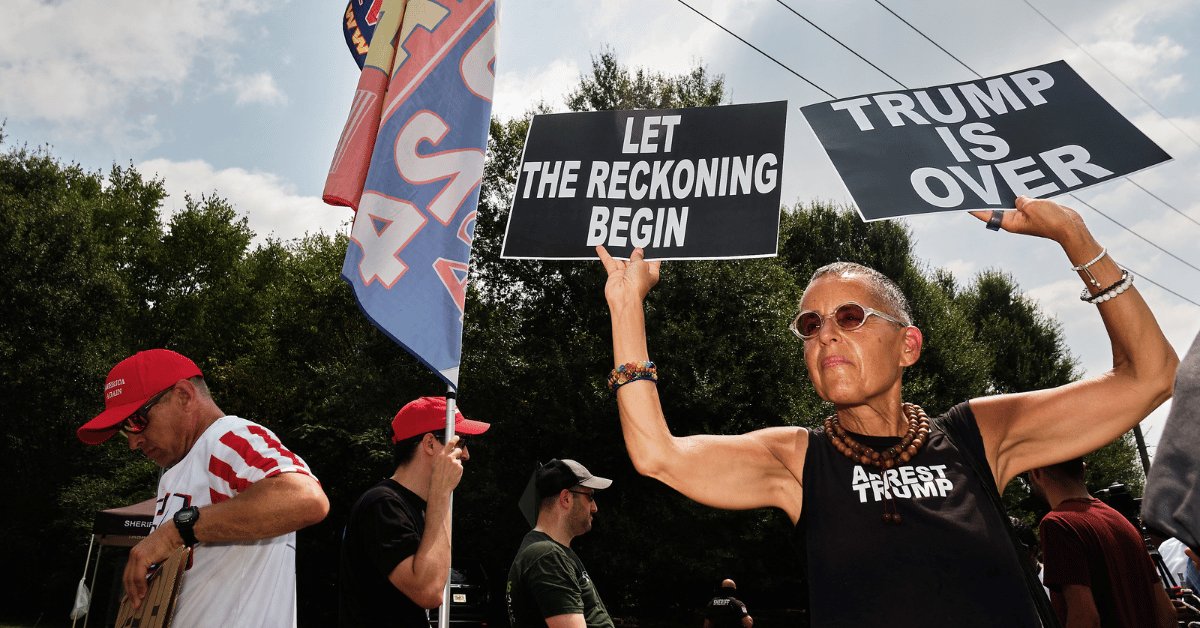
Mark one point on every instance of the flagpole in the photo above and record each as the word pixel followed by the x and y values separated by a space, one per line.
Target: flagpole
pixel 444 609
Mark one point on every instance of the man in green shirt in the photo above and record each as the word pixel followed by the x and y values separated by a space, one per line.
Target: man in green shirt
pixel 548 586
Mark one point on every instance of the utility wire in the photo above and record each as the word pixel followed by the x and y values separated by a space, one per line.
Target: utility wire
pixel 928 39
pixel 697 12
pixel 1161 201
pixel 906 22
pixel 1110 73
pixel 810 22
pixel 1085 203
pixel 781 64
pixel 970 69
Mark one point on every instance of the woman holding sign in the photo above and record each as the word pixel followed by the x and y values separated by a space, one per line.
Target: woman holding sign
pixel 896 510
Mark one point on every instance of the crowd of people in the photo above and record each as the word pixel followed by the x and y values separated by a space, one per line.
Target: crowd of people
pixel 897 515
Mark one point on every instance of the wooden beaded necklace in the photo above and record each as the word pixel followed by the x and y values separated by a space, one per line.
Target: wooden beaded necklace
pixel 898 454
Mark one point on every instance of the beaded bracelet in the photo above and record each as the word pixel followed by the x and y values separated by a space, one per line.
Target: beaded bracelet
pixel 1086 267
pixel 632 372
pixel 1117 288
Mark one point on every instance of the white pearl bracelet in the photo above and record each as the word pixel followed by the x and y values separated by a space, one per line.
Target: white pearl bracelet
pixel 1124 284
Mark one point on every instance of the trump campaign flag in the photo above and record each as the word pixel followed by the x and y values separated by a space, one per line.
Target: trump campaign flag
pixel 410 161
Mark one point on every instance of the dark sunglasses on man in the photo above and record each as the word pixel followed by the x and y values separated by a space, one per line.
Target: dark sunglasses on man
pixel 137 422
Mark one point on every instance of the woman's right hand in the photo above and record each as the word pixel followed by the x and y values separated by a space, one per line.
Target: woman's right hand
pixel 628 281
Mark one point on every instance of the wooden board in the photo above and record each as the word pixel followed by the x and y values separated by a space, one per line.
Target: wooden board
pixel 159 605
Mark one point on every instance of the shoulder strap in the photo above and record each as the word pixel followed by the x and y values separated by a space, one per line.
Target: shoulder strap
pixel 1045 611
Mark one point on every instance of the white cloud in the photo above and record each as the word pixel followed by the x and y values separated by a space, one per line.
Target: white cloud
pixel 1118 37
pixel 77 61
pixel 258 89
pixel 268 201
pixel 516 92
pixel 1140 64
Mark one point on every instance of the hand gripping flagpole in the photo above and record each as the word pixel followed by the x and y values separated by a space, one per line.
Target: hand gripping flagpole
pixel 444 609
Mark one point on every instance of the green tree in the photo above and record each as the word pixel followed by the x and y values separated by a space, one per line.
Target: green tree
pixel 1025 350
pixel 727 363
pixel 613 86
pixel 94 275
pixel 69 241
pixel 1026 347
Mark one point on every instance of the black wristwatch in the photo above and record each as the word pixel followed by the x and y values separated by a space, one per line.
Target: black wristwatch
pixel 185 520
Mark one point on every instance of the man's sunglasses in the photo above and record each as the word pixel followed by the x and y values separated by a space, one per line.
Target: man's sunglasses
pixel 849 316
pixel 137 422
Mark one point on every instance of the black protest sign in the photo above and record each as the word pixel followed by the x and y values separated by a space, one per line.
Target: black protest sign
pixel 1038 132
pixel 698 183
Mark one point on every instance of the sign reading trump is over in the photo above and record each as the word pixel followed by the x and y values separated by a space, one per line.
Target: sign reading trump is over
pixel 698 183
pixel 1038 132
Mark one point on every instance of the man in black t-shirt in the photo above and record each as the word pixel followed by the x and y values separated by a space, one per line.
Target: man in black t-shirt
pixel 396 546
pixel 726 611
pixel 548 586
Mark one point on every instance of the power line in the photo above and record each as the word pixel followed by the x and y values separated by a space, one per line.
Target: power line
pixel 1143 276
pixel 1161 201
pixel 928 39
pixel 697 12
pixel 1160 286
pixel 1073 196
pixel 810 22
pixel 781 64
pixel 1110 73
pixel 1185 262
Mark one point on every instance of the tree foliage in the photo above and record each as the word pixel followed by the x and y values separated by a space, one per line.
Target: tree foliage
pixel 95 273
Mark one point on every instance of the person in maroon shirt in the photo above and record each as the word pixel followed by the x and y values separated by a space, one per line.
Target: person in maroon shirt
pixel 1096 564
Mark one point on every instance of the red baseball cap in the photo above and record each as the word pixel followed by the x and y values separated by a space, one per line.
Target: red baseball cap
pixel 428 414
pixel 131 383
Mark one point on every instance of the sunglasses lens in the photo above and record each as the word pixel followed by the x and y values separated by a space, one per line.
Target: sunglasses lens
pixel 809 324
pixel 850 316
pixel 135 423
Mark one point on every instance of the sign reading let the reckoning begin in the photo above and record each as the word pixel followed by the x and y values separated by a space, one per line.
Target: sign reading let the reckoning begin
pixel 698 183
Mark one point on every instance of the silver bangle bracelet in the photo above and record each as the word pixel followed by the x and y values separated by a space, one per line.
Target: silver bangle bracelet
pixel 1103 252
pixel 1085 267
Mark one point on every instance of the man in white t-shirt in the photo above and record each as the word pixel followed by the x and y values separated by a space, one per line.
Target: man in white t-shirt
pixel 231 490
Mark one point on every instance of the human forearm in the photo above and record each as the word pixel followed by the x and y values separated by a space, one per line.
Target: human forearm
pixel 270 507
pixel 647 437
pixel 570 620
pixel 1027 430
pixel 1164 608
pixel 1081 607
pixel 422 576
pixel 734 472
pixel 654 451
pixel 1143 361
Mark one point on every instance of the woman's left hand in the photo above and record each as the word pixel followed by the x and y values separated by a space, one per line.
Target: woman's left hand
pixel 1039 217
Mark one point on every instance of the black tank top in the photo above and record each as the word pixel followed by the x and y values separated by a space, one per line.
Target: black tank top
pixel 949 563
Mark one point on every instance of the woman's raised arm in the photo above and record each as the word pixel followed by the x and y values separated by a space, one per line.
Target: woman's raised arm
pixel 757 469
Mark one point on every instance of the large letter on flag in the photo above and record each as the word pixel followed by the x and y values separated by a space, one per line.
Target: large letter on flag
pixel 410 161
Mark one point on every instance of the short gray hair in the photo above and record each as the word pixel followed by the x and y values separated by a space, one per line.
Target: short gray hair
pixel 882 287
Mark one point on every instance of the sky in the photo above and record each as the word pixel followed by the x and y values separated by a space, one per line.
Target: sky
pixel 246 100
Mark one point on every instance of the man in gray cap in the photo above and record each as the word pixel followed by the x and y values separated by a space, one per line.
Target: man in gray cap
pixel 547 584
